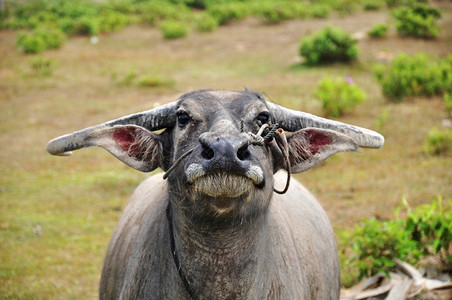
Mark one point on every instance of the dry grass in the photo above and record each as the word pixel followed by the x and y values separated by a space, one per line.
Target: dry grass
pixel 57 214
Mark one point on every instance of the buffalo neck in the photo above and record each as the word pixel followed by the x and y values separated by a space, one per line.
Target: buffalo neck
pixel 216 262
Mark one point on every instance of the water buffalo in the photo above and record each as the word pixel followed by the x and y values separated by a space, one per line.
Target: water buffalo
pixel 222 226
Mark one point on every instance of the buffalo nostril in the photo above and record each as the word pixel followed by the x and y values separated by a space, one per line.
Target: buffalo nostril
pixel 207 152
pixel 243 153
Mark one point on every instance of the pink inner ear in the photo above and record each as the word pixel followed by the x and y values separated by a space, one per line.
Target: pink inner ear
pixel 316 140
pixel 125 137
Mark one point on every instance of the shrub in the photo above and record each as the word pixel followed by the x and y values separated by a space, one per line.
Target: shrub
pixel 418 21
pixel 329 45
pixel 42 66
pixel 156 11
pixel 275 12
pixel 439 142
pixel 228 11
pixel 418 75
pixel 373 4
pixel 431 227
pixel 320 10
pixel 378 31
pixel 40 39
pixel 206 23
pixel 110 21
pixel 375 244
pixel 338 95
pixel 173 29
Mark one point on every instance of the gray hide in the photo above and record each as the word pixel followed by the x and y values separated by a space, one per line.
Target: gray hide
pixel 234 238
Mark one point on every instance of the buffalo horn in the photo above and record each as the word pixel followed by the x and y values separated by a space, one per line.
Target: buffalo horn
pixel 291 120
pixel 154 119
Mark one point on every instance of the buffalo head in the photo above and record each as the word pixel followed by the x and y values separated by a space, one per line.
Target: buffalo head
pixel 223 173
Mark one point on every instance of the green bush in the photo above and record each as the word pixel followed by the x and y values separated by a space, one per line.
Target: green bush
pixel 329 45
pixel 418 21
pixel 439 142
pixel 372 4
pixel 418 75
pixel 173 29
pixel 40 39
pixel 338 95
pixel 156 11
pixel 275 12
pixel 227 11
pixel 378 31
pixel 375 244
pixel 206 23
pixel 320 10
pixel 110 21
pixel 431 227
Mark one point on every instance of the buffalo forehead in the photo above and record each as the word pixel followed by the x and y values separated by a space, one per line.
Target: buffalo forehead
pixel 245 104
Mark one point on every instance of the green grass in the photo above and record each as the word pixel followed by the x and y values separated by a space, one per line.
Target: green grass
pixel 76 201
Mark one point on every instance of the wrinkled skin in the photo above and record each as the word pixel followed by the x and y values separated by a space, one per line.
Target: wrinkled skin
pixel 233 236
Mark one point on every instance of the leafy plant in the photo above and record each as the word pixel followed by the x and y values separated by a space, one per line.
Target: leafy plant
pixel 173 29
pixel 431 227
pixel 418 75
pixel 329 45
pixel 375 244
pixel 338 95
pixel 206 23
pixel 439 142
pixel 227 11
pixel 320 10
pixel 373 4
pixel 418 21
pixel 378 31
pixel 40 39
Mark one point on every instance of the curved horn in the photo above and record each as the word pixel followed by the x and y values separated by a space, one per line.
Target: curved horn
pixel 154 119
pixel 292 120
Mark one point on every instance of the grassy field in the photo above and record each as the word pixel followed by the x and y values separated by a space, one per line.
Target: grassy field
pixel 58 213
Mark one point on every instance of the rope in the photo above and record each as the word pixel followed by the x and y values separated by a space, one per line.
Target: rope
pixel 256 140
pixel 177 162
pixel 169 217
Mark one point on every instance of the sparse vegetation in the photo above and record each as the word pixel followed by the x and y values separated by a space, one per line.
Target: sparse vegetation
pixel 329 45
pixel 439 142
pixel 154 81
pixel 173 29
pixel 378 31
pixel 338 95
pixel 427 230
pixel 42 65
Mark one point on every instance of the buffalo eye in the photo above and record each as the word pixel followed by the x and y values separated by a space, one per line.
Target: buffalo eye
pixel 182 119
pixel 263 118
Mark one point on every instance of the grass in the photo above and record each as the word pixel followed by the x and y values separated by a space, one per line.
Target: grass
pixel 58 213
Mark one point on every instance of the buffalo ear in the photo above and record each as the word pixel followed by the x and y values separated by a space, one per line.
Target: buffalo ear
pixel 309 147
pixel 133 145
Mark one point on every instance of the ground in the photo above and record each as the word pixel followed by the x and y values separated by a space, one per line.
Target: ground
pixel 57 213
